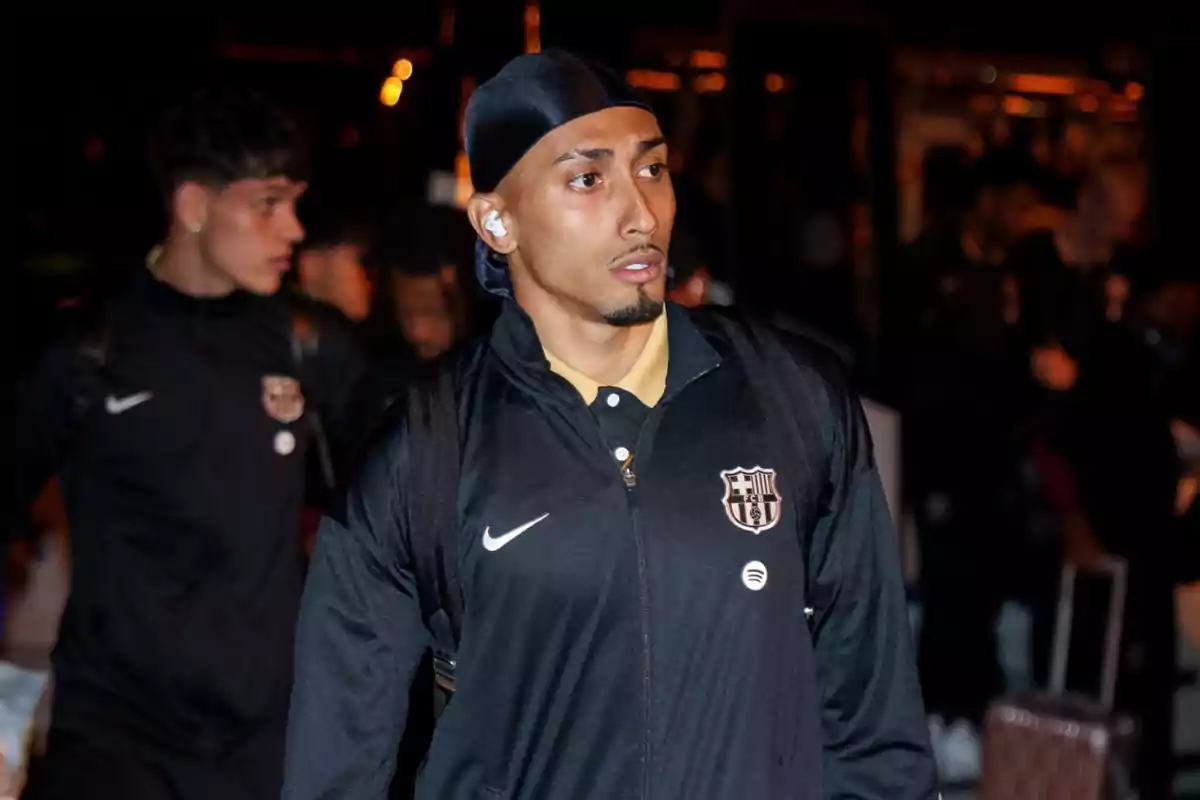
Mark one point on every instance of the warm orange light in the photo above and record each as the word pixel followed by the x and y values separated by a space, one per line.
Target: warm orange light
pixel 709 82
pixel 653 79
pixel 1122 108
pixel 463 189
pixel 1042 84
pixel 533 28
pixel 402 69
pixel 774 82
pixel 1088 104
pixel 389 95
pixel 1135 91
pixel 1017 106
pixel 708 59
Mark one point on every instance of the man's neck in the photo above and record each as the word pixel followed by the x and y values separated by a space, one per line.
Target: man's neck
pixel 603 352
pixel 181 266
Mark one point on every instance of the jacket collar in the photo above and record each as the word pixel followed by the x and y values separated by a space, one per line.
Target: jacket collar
pixel 515 342
pixel 646 380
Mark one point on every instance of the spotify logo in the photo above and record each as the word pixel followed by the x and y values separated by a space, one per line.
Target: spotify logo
pixel 754 575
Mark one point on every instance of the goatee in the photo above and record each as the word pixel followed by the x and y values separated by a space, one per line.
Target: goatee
pixel 644 310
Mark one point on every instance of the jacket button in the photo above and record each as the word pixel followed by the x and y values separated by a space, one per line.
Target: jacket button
pixel 622 453
pixel 613 400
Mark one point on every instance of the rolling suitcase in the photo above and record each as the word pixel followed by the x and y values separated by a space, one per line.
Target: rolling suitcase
pixel 1057 745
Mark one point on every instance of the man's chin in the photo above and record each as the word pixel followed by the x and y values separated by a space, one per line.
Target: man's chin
pixel 263 287
pixel 641 311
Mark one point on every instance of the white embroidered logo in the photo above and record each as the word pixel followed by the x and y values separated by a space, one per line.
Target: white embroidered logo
pixel 494 543
pixel 119 405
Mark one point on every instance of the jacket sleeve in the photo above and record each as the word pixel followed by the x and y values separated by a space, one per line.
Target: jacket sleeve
pixel 873 721
pixel 360 638
pixel 49 403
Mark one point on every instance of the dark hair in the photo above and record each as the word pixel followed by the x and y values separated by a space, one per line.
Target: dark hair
pixel 328 223
pixel 414 258
pixel 218 136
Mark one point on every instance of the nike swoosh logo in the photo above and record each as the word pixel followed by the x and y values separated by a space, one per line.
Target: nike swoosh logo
pixel 494 543
pixel 119 405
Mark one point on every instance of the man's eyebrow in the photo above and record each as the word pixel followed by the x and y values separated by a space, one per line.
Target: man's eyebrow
pixel 585 154
pixel 649 144
pixel 601 153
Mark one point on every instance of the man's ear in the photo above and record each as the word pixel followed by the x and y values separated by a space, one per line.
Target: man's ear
pixel 191 206
pixel 495 228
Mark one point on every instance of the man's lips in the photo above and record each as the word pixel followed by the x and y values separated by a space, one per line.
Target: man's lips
pixel 639 268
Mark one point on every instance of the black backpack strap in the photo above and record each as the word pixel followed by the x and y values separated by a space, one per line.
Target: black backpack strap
pixel 305 341
pixel 434 433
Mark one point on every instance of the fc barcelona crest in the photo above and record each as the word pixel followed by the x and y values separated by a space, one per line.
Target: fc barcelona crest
pixel 282 398
pixel 752 499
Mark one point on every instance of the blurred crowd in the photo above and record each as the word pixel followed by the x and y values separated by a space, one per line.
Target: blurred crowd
pixel 1041 348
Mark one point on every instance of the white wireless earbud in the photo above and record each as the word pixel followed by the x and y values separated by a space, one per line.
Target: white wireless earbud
pixel 493 225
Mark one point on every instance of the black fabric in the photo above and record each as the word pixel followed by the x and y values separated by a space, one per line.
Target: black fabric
pixel 433 406
pixel 184 502
pixel 81 764
pixel 531 96
pixel 612 644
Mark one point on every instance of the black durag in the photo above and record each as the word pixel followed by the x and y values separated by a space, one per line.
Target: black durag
pixel 509 114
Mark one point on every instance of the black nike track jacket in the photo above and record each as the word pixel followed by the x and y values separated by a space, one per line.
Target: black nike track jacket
pixel 181 449
pixel 635 633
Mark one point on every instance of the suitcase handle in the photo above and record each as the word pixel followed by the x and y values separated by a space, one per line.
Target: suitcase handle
pixel 1117 570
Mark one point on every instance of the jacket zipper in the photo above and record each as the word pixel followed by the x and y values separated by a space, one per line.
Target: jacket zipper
pixel 630 479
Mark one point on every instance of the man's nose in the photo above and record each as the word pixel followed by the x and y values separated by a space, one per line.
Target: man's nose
pixel 640 219
pixel 292 231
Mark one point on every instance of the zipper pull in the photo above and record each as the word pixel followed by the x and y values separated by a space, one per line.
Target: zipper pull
pixel 627 473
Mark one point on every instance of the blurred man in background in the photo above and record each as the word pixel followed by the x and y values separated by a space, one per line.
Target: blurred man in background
pixel 959 359
pixel 1115 436
pixel 329 263
pixel 179 418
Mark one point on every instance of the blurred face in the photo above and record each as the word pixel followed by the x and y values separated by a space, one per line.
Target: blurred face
pixel 248 230
pixel 424 314
pixel 588 212
pixel 336 275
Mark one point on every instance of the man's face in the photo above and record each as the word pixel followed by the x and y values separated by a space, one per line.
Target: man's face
pixel 249 230
pixel 337 276
pixel 422 309
pixel 594 207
